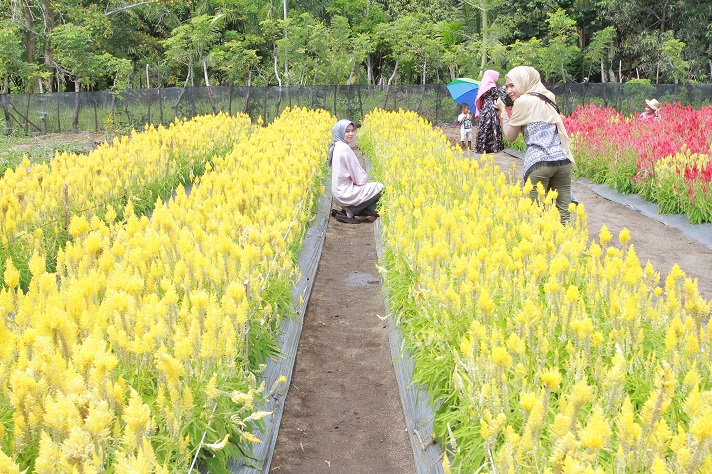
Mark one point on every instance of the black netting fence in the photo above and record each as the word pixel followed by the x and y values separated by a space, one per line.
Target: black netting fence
pixel 34 114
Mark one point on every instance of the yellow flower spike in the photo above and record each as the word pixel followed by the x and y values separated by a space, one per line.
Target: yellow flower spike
pixel 527 400
pixel 551 379
pixel 605 236
pixel 597 431
pixel 11 275
pixel 624 236
pixel 659 466
pixel 572 294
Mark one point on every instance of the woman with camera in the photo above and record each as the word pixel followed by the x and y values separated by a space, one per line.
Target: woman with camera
pixel 547 158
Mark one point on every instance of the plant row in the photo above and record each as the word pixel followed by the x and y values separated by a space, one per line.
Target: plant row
pixel 142 352
pixel 668 161
pixel 37 200
pixel 540 350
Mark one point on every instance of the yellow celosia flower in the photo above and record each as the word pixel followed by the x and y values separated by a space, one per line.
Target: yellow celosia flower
pixel 11 274
pixel 605 235
pixel 7 465
pixel 572 294
pixel 597 431
pixel 624 236
pixel 249 437
pixel 501 357
pixel 219 445
pixel 551 379
pixel 527 400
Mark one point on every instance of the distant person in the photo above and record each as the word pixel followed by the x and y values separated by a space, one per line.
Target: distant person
pixel 350 186
pixel 547 157
pixel 489 130
pixel 652 110
pixel 465 121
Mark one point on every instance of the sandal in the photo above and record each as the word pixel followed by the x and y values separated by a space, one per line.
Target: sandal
pixel 342 217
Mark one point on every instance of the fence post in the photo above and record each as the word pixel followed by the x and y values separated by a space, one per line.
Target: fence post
pixel 336 91
pixel 360 102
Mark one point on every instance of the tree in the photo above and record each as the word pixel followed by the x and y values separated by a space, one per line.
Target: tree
pixel 408 39
pixel 77 55
pixel 12 66
pixel 599 50
pixel 490 38
pixel 671 58
pixel 191 43
pixel 235 60
pixel 562 48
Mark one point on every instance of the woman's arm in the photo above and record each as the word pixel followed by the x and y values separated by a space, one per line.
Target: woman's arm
pixel 509 132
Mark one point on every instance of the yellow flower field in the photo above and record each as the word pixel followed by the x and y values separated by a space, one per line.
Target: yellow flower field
pixel 141 354
pixel 37 200
pixel 542 349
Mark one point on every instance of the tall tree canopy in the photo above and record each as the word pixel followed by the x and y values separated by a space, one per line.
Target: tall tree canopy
pixel 77 43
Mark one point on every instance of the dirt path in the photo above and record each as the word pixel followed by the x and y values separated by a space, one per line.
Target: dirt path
pixel 663 245
pixel 342 412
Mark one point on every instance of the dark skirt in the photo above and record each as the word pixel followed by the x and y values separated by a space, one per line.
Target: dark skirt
pixel 489 131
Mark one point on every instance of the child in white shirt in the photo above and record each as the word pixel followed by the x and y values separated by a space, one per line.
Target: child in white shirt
pixel 465 121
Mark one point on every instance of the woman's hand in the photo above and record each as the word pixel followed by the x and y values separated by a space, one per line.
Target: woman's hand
pixel 499 105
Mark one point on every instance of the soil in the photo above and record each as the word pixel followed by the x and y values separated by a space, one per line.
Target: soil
pixel 342 412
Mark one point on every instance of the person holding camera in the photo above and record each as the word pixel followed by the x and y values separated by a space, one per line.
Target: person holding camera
pixel 534 114
pixel 489 131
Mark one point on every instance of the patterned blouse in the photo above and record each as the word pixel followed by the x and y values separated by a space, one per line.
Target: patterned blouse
pixel 543 147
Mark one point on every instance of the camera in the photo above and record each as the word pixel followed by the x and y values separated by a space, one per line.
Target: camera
pixel 505 97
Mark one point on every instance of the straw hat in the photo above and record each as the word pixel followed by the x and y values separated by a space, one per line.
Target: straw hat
pixel 653 104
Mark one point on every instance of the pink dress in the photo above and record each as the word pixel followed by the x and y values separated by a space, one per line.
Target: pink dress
pixel 349 182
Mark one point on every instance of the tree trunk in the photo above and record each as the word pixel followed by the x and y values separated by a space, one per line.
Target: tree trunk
pixel 3 100
pixel 603 71
pixel 485 36
pixel 148 88
pixel 351 74
pixel 46 7
pixel 369 69
pixel 43 109
pixel 276 70
pixel 395 71
pixel 30 36
pixel 210 90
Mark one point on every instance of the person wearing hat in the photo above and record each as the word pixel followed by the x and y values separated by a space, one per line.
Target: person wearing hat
pixel 652 110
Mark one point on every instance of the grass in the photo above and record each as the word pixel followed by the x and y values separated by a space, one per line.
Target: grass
pixel 42 148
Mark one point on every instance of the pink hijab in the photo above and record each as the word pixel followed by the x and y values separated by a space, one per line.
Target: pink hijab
pixel 489 81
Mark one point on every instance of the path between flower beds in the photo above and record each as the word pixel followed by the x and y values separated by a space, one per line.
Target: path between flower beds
pixel 342 412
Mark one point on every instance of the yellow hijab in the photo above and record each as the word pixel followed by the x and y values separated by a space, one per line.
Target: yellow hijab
pixel 529 108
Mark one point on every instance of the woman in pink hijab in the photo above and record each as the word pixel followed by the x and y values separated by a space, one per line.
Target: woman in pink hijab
pixel 489 131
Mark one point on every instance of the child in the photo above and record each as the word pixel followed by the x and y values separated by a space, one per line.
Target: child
pixel 465 121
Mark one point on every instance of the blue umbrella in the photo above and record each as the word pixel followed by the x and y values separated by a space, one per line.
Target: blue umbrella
pixel 464 90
